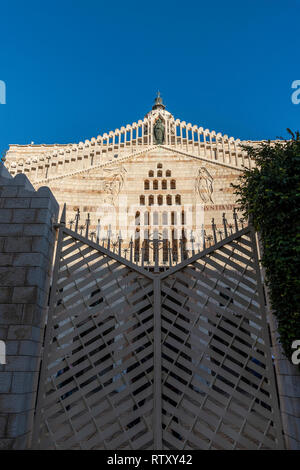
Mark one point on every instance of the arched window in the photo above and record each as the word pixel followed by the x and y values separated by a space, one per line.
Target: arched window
pixel 142 200
pixel 146 184
pixel 164 184
pixel 137 218
pixel 173 184
pixel 165 245
pixel 159 165
pixel 151 200
pixel 173 218
pixel 151 174
pixel 178 199
pixel 169 200
pixel 159 173
pixel 155 218
pixel 182 218
pixel 155 184
pixel 168 173
pixel 146 218
pixel 146 245
pixel 165 218
pixel 160 200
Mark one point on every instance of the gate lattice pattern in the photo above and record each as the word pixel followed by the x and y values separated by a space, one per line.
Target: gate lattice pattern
pixel 217 387
pixel 172 360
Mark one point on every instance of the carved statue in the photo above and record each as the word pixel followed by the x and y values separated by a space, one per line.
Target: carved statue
pixel 113 186
pixel 204 185
pixel 159 132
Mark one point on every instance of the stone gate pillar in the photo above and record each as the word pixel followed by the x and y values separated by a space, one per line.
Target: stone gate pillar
pixel 26 251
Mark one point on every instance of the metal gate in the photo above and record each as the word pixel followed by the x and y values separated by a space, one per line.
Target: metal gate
pixel 177 359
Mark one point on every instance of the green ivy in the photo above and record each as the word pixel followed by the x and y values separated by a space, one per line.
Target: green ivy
pixel 269 195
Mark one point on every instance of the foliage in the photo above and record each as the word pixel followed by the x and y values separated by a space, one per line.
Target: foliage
pixel 269 195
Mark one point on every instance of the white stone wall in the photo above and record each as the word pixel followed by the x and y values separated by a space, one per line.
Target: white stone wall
pixel 26 252
pixel 288 381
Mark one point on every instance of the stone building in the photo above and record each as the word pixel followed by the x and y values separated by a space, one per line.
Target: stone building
pixel 157 178
pixel 157 175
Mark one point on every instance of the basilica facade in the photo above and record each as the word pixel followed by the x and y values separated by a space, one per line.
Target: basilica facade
pixel 158 177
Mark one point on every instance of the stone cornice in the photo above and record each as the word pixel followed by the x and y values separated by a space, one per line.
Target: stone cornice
pixel 93 167
pixel 132 155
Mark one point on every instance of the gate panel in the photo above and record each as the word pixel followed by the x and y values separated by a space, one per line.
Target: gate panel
pixel 217 373
pixel 173 360
pixel 96 387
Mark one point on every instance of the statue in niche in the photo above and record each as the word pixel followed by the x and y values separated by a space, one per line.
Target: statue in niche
pixel 204 185
pixel 159 132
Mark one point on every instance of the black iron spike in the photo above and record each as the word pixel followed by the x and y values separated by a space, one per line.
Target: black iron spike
pixel 235 219
pixel 213 226
pixel 143 256
pixel 77 218
pixel 98 231
pixel 131 245
pixel 225 225
pixel 87 224
pixel 120 243
pixel 108 237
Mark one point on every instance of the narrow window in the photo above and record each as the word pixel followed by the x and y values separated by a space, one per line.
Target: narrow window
pixel 137 218
pixel 173 184
pixel 155 184
pixel 173 218
pixel 178 199
pixel 146 185
pixel 165 245
pixel 146 218
pixel 182 218
pixel 146 245
pixel 164 184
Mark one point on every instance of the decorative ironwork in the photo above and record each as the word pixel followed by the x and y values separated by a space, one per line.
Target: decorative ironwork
pixel 175 359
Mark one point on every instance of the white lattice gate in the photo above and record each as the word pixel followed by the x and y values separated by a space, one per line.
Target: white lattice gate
pixel 178 359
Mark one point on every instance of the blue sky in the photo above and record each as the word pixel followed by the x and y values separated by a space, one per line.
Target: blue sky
pixel 76 69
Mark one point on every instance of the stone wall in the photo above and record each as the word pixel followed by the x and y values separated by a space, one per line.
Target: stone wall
pixel 26 252
pixel 288 381
pixel 92 190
